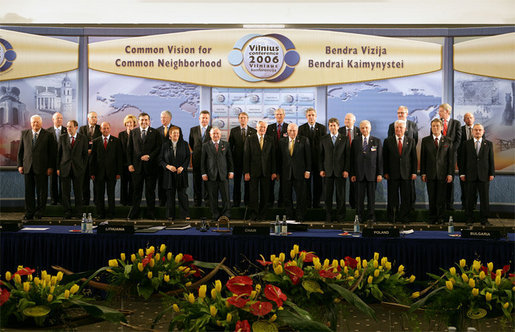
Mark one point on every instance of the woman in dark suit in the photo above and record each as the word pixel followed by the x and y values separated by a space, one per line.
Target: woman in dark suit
pixel 126 186
pixel 175 158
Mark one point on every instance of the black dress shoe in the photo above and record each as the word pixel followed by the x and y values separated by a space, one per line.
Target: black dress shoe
pixel 28 217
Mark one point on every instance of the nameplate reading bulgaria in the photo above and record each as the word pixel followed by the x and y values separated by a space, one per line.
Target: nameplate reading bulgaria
pixel 481 234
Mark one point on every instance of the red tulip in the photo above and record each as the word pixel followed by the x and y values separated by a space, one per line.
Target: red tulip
pixel 351 262
pixel 241 285
pixel 25 271
pixel 295 273
pixel 327 274
pixel 187 258
pixel 275 294
pixel 261 308
pixel 242 326
pixel 4 296
pixel 237 301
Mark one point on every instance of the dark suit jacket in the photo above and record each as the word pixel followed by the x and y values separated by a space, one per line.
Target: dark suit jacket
pixel 75 159
pixel 181 159
pixel 217 165
pixel 84 130
pixel 137 148
pixel 463 138
pixel 259 162
pixel 293 167
pixel 39 157
pixel 399 167
pixel 271 131
pixel 196 141
pixel 314 140
pixel 237 145
pixel 453 133
pixel 51 130
pixel 366 166
pixel 106 163
pixel 161 130
pixel 124 142
pixel 356 132
pixel 477 167
pixel 436 164
pixel 334 159
pixel 411 130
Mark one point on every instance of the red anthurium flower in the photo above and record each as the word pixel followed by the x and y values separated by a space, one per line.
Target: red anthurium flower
pixel 242 326
pixel 309 256
pixel 241 285
pixel 261 308
pixel 275 294
pixel 238 301
pixel 484 269
pixel 197 271
pixel 147 259
pixel 25 271
pixel 4 296
pixel 163 258
pixel 505 269
pixel 351 262
pixel 187 258
pixel 327 274
pixel 295 273
pixel 263 262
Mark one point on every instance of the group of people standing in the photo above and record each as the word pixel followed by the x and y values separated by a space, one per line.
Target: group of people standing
pixel 303 160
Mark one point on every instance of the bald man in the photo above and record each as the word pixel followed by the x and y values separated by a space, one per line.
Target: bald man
pixel 55 183
pixel 91 131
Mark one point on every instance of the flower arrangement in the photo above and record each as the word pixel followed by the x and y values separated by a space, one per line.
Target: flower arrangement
pixel 470 292
pixel 246 306
pixel 43 298
pixel 149 272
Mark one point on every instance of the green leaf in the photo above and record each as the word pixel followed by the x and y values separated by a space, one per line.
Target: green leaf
pixel 312 286
pixel 299 322
pixel 353 299
pixel 264 326
pixel 145 291
pixel 376 292
pixel 423 300
pixel 37 311
pixel 127 271
pixel 272 277
pixel 99 311
pixel 206 265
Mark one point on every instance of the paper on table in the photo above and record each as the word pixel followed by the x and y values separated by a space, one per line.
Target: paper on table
pixel 34 228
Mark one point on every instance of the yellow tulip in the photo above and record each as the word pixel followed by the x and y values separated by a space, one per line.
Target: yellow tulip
pixel 272 258
pixel 498 280
pixel 37 281
pixel 342 262
pixel 335 263
pixel 375 263
pixel 258 288
pixel 53 280
pixel 346 270
pixel 66 294
pixel 59 276
pixel 152 263
pixel 212 310
pixel 218 286
pixel 488 296
pixel 388 266
pixel 296 248
pixel 384 260
pixel 513 288
pixel 401 268
pixel 213 293
pixel 141 253
pixel 48 279
pixel 29 277
pixel 452 280
pixel 113 263
pixel 133 258
pixel 475 291
pixel 338 276
pixel 74 289
pixel 202 291
pixel 490 266
pixel 358 259
pixel 162 248
pixel 482 275
pixel 351 278
pixel 43 284
pixel 122 256
pixel 453 271
pixel 449 284
pixel 43 274
pixel 316 260
pixel 157 257
pixel 472 283
pixel 149 274
pixel 52 289
pixel 464 277
pixel 376 256
pixel 292 263
pixel 8 276
pixel 278 269
pixel 188 284
pixel 356 274
pixel 282 257
pixel 376 273
pixel 191 298
pixel 463 263
pixel 498 272
pixel 176 308
pixel 151 249
pixel 317 266
pixel 476 265
pixel 415 295
pixel 17 279
pixel 166 278
pixel 364 263
pixel 26 287
pixel 302 256
pixel 273 318
pixel 50 298
pixel 411 278
pixel 252 295
pixel 169 256
pixel 178 258
pixel 506 305
pixel 370 279
pixel 228 319
pixel 140 267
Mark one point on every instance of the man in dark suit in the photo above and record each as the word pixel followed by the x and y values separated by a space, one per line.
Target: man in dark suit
pixel 198 136
pixel 91 131
pixel 237 138
pixel 295 165
pixel 143 158
pixel 400 169
pixel 72 159
pixel 436 168
pixel 55 182
pixel 452 130
pixel 166 124
pixel 106 166
pixel 217 169
pixel 36 161
pixel 334 165
pixel 466 134
pixel 276 131
pixel 313 131
pixel 259 167
pixel 477 169
pixel 366 169
pixel 351 132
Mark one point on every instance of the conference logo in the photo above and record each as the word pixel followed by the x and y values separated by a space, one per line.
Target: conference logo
pixel 7 55
pixel 270 57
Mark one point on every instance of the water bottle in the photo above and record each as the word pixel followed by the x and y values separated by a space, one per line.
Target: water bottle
pixel 356 224
pixel 450 227
pixel 284 227
pixel 277 225
pixel 89 224
pixel 83 223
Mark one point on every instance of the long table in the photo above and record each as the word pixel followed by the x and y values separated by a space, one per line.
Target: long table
pixel 420 252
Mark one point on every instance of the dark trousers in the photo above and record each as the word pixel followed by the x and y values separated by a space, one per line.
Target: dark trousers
pixel 170 202
pixel 214 187
pixel 101 183
pixel 436 196
pixel 161 192
pixel 449 195
pixel 66 182
pixel 55 188
pixel 236 192
pixel 299 185
pixel 199 186
pixel 352 194
pixel 368 188
pixel 331 184
pixel 85 187
pixel 150 193
pixel 314 189
pixel 35 184
pixel 259 189
pixel 280 196
pixel 473 188
pixel 126 188
pixel 396 187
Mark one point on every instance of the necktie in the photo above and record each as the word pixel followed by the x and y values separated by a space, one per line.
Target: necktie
pixel 203 132
pixel 349 136
pixel 334 139
pixel 216 147
pixel 105 143
pixel 261 142
pixel 144 134
pixel 279 131
pixel 243 134
pixel 35 138
pixel 292 142
pixel 445 127
pixel 91 131
pixel 469 133
pixel 57 133
pixel 174 149
pixel 399 146
pixel 436 143
pixel 165 131
pixel 477 147
pixel 73 141
pixel 365 145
